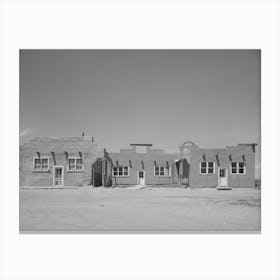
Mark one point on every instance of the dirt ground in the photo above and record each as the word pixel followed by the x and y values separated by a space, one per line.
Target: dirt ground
pixel 148 209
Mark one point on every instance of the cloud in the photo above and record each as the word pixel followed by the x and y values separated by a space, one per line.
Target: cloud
pixel 25 132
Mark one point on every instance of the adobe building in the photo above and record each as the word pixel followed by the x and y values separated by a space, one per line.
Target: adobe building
pixel 63 161
pixel 226 168
pixel 231 167
pixel 154 167
pixel 75 161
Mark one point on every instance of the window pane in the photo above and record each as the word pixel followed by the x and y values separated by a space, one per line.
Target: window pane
pixel 241 164
pixel 79 164
pixel 234 170
pixel 211 164
pixel 115 169
pixel 37 163
pixel 79 167
pixel 71 164
pixel 211 170
pixel 203 170
pixel 241 170
pixel 115 173
pixel 233 164
pixel 156 173
pixel 125 172
pixel 167 171
pixel 45 163
pixel 203 164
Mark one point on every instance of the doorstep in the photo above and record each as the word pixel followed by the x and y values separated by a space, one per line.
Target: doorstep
pixel 224 188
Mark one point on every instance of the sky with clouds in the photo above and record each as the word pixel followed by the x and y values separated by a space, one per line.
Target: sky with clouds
pixel 163 97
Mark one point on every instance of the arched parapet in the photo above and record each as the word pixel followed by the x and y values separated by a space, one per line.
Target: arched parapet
pixel 189 143
pixel 185 154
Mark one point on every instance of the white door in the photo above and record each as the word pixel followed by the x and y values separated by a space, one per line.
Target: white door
pixel 223 177
pixel 58 176
pixel 141 178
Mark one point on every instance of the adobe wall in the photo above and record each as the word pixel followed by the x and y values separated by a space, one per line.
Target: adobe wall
pixel 144 161
pixel 224 159
pixel 55 149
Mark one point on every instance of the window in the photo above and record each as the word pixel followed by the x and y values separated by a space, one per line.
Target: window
pixel 207 167
pixel 162 171
pixel 41 164
pixel 238 168
pixel 75 164
pixel 121 171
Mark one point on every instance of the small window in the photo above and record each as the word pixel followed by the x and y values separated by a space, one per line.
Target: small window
pixel 125 171
pixel 238 168
pixel 79 164
pixel 207 167
pixel 121 171
pixel 75 164
pixel 162 171
pixel 41 164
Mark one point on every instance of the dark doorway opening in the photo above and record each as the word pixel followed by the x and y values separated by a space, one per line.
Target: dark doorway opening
pixel 97 173
pixel 186 171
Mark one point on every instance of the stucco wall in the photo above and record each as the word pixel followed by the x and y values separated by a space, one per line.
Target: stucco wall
pixel 224 159
pixel 144 162
pixel 73 146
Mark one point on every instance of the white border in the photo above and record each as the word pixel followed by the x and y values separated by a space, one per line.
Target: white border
pixel 155 24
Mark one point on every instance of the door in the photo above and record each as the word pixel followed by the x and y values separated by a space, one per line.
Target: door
pixel 97 173
pixel 141 178
pixel 58 176
pixel 223 177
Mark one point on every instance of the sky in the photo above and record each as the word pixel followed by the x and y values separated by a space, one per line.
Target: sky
pixel 162 97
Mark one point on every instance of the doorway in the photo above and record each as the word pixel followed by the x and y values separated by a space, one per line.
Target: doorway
pixel 97 173
pixel 223 177
pixel 141 178
pixel 58 178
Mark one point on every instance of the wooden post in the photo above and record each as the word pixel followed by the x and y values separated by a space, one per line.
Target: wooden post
pixel 102 173
pixel 181 166
pixel 172 173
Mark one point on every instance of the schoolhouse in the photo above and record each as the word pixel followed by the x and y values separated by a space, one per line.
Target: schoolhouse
pixel 63 161
pixel 232 166
pixel 76 161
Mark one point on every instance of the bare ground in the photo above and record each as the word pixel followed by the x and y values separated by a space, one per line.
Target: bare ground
pixel 148 209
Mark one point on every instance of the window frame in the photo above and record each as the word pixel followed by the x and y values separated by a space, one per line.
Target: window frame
pixel 41 164
pixel 207 168
pixel 75 164
pixel 237 168
pixel 118 171
pixel 169 172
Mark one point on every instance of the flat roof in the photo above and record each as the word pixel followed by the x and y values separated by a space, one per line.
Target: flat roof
pixel 150 145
